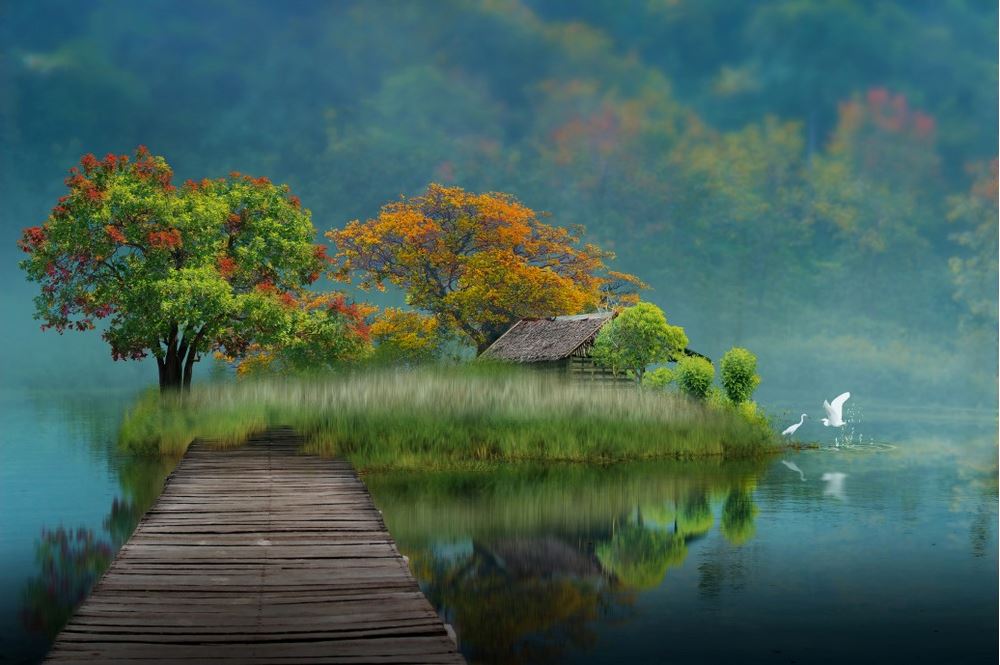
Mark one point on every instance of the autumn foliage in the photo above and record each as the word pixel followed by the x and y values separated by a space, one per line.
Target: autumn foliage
pixel 478 262
pixel 326 329
pixel 174 272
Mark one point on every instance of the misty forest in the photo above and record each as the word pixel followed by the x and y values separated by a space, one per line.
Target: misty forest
pixel 764 233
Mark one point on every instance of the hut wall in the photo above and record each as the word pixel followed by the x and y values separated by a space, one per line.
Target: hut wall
pixel 581 366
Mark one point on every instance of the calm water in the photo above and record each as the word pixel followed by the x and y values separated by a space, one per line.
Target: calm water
pixel 881 550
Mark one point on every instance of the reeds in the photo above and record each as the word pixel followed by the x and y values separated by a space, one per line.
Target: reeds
pixel 432 418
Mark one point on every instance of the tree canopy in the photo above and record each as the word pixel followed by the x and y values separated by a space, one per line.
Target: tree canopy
pixel 741 157
pixel 173 272
pixel 478 262
pixel 638 337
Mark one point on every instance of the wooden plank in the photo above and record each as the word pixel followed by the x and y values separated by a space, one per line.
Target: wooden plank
pixel 258 554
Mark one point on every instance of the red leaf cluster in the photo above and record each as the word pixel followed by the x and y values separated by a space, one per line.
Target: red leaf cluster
pixel 89 162
pixel 31 239
pixel 893 114
pixel 226 265
pixel 169 239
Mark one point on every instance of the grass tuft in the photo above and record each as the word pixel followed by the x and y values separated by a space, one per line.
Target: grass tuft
pixel 435 418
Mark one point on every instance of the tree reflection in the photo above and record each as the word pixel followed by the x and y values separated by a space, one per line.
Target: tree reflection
pixel 518 600
pixel 738 514
pixel 70 562
pixel 639 558
pixel 526 563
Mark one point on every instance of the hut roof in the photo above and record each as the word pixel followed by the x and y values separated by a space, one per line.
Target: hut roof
pixel 553 338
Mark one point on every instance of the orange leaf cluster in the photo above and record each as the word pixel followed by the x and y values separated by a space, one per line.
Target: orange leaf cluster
pixel 478 261
pixel 167 239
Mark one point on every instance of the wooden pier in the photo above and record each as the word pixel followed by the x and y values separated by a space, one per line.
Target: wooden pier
pixel 258 555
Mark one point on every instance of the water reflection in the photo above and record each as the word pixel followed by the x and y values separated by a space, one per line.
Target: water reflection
pixel 69 564
pixel 70 561
pixel 629 563
pixel 527 563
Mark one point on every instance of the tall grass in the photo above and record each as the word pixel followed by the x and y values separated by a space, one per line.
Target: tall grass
pixel 434 418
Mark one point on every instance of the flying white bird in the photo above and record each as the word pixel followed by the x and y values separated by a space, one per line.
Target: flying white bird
pixel 790 430
pixel 834 485
pixel 794 467
pixel 835 411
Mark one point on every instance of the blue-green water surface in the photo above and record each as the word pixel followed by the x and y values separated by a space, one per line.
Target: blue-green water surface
pixel 879 547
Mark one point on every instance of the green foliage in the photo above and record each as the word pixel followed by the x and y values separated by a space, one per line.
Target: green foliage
pixel 659 379
pixel 434 418
pixel 638 337
pixel 739 374
pixel 717 398
pixel 322 333
pixel 753 414
pixel 711 144
pixel 695 376
pixel 173 272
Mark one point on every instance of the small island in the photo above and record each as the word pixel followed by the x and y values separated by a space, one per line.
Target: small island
pixel 518 340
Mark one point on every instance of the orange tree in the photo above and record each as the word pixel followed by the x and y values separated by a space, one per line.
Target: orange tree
pixel 479 262
pixel 175 272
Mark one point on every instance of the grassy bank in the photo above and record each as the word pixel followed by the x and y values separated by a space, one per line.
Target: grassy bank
pixel 438 419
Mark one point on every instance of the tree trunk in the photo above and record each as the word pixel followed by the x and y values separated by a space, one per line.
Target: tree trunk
pixel 170 371
pixel 192 358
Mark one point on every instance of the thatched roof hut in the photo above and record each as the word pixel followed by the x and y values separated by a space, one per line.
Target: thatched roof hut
pixel 549 339
pixel 557 343
pixel 560 343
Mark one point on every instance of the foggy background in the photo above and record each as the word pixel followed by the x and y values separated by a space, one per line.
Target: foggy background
pixel 813 180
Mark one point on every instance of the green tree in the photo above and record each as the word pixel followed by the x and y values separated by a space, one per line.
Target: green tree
pixel 175 272
pixel 659 378
pixel 638 337
pixel 739 374
pixel 695 375
pixel 319 333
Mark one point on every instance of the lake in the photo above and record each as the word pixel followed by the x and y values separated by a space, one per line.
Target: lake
pixel 881 546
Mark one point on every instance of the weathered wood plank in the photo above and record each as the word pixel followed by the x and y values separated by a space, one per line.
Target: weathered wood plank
pixel 258 554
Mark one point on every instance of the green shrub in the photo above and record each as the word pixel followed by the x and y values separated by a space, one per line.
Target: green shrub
pixel 694 376
pixel 638 337
pixel 717 397
pixel 753 414
pixel 739 374
pixel 659 378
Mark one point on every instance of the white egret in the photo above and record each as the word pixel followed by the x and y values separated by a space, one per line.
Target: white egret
pixel 794 467
pixel 835 410
pixel 790 430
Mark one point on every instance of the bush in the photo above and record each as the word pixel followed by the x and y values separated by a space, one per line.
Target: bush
pixel 694 376
pixel 717 398
pixel 739 374
pixel 753 414
pixel 638 337
pixel 659 378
